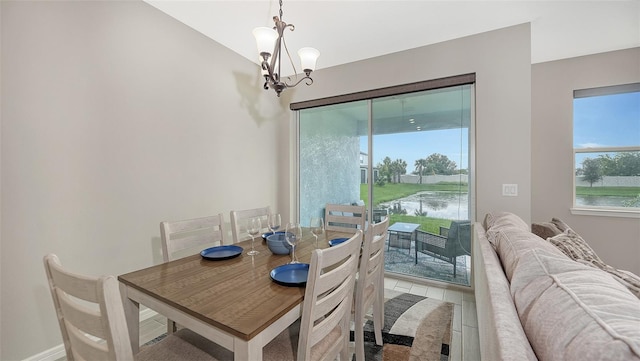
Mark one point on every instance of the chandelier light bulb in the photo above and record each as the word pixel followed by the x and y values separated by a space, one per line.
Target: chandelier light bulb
pixel 265 40
pixel 308 58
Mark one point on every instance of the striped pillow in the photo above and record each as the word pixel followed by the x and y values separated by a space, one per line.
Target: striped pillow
pixel 571 244
pixel 576 248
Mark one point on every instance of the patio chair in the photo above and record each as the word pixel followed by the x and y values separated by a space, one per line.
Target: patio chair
pixel 447 246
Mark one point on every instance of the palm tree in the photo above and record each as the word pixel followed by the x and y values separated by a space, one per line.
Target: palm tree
pixel 420 165
pixel 399 167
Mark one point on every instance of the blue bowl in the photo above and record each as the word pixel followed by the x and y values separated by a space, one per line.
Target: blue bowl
pixel 277 244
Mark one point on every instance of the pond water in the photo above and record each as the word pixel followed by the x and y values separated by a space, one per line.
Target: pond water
pixel 453 205
pixel 602 201
pixel 446 205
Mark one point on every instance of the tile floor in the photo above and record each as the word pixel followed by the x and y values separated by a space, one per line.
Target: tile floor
pixel 465 343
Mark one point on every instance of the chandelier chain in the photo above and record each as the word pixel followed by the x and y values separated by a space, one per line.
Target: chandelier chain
pixel 280 9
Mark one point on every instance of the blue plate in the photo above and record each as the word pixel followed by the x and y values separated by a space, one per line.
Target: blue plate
pixel 265 235
pixel 221 252
pixel 336 241
pixel 291 274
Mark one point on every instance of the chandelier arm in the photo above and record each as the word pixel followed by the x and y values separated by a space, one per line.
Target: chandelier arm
pixel 307 78
pixel 286 49
pixel 268 69
pixel 274 58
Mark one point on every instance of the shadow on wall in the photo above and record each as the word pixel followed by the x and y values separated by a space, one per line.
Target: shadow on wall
pixel 262 105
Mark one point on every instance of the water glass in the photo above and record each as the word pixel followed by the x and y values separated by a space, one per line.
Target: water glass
pixel 274 222
pixel 317 227
pixel 293 235
pixel 253 228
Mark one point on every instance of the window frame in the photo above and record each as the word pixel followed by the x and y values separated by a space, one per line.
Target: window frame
pixel 606 211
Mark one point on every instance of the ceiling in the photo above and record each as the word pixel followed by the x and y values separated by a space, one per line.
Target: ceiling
pixel 348 31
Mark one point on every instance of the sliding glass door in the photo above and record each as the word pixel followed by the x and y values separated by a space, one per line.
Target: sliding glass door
pixel 330 156
pixel 406 157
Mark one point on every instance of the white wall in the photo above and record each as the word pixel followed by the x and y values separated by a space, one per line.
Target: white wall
pixel 116 117
pixel 501 60
pixel 615 240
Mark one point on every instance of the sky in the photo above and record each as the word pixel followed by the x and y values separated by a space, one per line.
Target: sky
pixel 419 145
pixel 603 121
pixel 606 121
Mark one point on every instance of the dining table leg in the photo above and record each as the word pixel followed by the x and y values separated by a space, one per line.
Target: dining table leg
pixel 132 314
pixel 248 350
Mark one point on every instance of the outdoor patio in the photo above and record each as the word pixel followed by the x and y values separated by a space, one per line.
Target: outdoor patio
pixel 402 261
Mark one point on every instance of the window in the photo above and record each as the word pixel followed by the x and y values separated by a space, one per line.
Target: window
pixel 606 149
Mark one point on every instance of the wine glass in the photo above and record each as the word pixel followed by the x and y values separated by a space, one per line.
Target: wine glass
pixel 274 222
pixel 317 227
pixel 253 228
pixel 293 235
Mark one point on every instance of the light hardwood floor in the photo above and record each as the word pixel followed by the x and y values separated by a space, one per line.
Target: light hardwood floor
pixel 465 343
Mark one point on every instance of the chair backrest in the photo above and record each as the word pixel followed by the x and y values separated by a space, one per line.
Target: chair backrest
pixel 326 311
pixel 459 238
pixel 238 217
pixel 105 321
pixel 187 234
pixel 371 269
pixel 344 218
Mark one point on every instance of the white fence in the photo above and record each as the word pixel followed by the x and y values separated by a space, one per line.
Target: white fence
pixel 610 181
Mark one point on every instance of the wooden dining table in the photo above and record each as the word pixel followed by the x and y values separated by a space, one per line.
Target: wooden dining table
pixel 232 302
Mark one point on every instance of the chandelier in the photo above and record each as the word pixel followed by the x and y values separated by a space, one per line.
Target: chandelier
pixel 270 42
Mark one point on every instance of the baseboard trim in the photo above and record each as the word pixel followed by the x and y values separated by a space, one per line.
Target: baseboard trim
pixel 57 352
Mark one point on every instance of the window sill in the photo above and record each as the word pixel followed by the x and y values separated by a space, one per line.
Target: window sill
pixel 620 213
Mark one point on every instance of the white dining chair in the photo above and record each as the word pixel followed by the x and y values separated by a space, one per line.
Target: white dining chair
pixel 344 217
pixel 238 218
pixel 181 238
pixel 93 324
pixel 370 285
pixel 191 234
pixel 324 328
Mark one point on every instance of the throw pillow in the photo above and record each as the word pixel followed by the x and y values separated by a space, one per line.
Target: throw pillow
pixel 563 227
pixel 571 244
pixel 545 230
pixel 576 248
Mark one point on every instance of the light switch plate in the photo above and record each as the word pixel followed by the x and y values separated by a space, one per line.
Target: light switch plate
pixel 510 190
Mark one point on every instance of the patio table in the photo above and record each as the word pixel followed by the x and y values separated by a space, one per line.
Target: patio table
pixel 232 302
pixel 403 228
